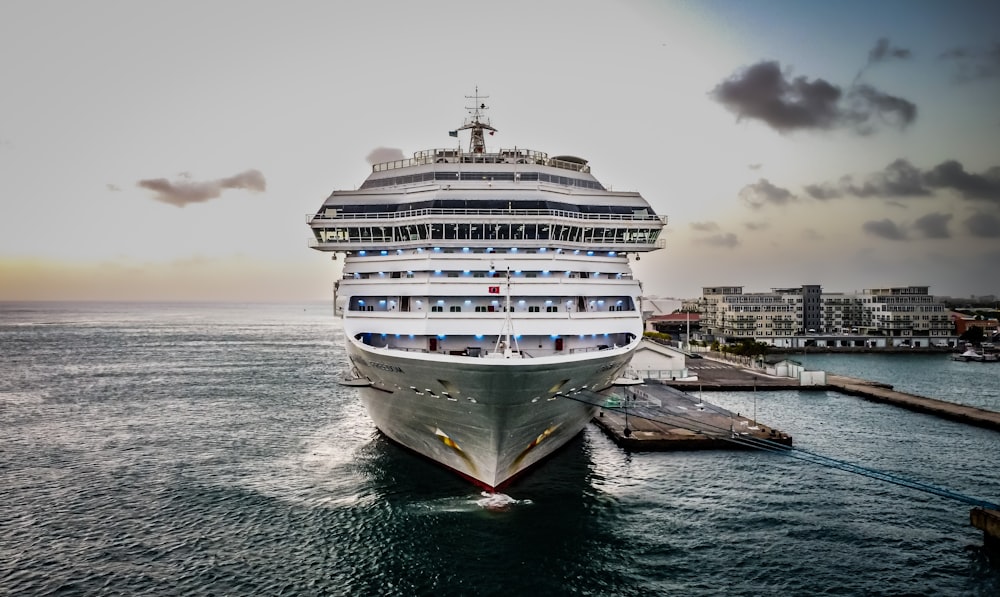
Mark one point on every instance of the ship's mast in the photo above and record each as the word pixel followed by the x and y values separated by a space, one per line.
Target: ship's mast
pixel 477 143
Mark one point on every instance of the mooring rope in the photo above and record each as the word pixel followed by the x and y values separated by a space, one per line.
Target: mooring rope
pixel 767 445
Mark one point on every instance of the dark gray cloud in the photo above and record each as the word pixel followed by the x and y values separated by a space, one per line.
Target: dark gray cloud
pixel 898 179
pixel 754 166
pixel 934 225
pixel 868 105
pixel 901 179
pixel 727 240
pixel 824 191
pixel 704 226
pixel 756 225
pixel 884 51
pixel 983 225
pixel 381 155
pixel 762 192
pixel 973 64
pixel 884 229
pixel 952 175
pixel 182 192
pixel 763 92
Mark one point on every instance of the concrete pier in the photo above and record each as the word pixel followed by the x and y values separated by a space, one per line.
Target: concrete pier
pixel 659 418
pixel 885 394
pixel 988 521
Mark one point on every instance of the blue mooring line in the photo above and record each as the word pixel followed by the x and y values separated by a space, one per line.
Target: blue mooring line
pixel 807 456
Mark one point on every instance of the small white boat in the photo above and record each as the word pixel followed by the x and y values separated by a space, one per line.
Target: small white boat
pixel 969 355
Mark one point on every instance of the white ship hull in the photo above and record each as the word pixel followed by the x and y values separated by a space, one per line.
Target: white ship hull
pixel 487 419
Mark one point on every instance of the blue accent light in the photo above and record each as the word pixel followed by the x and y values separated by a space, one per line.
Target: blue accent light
pixel 437 271
pixel 441 336
pixel 517 336
pixel 381 302
pixel 554 336
pixel 479 336
pixel 469 302
pixel 549 302
pixel 399 251
pixel 360 302
pixel 576 252
pixel 465 249
pixel 590 252
pixel 545 272
pixel 542 250
pixel 361 252
pixel 437 249
pixel 440 301
pixel 513 249
pixel 385 252
pixel 611 253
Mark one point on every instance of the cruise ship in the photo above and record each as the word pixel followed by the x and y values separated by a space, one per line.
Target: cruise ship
pixel 487 298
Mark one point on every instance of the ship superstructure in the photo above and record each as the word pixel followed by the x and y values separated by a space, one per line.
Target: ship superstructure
pixel 482 294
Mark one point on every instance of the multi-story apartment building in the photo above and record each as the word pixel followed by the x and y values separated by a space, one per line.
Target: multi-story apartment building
pixel 907 311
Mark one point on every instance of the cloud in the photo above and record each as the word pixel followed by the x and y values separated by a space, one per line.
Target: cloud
pixel 902 179
pixel 812 234
pixel 866 103
pixel 952 175
pixel 761 91
pixel 756 225
pixel 762 192
pixel 823 191
pixel 898 179
pixel 704 226
pixel 727 240
pixel 884 229
pixel 934 225
pixel 180 193
pixel 380 155
pixel 754 166
pixel 973 64
pixel 983 225
pixel 113 188
pixel 883 52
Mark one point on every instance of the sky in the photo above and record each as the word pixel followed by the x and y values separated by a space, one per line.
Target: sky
pixel 163 151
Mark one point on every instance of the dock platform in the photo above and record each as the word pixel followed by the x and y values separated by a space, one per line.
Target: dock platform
pixel 660 418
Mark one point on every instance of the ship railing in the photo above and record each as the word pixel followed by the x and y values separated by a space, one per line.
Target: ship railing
pixel 441 211
pixel 387 244
pixel 457 156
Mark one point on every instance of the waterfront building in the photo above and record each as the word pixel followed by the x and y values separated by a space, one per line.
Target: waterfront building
pixel 903 314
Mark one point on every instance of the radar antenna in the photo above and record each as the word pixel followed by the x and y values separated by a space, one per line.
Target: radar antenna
pixel 477 144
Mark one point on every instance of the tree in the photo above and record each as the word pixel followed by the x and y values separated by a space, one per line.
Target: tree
pixel 974 334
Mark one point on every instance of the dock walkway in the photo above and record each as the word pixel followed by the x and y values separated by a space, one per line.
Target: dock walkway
pixel 877 392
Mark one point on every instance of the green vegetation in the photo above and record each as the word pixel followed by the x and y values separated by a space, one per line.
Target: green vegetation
pixel 745 348
pixel 658 337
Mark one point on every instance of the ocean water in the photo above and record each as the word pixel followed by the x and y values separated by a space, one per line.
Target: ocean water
pixel 206 449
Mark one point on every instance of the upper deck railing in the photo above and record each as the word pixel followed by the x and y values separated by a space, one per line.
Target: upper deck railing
pixel 537 214
pixel 503 156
